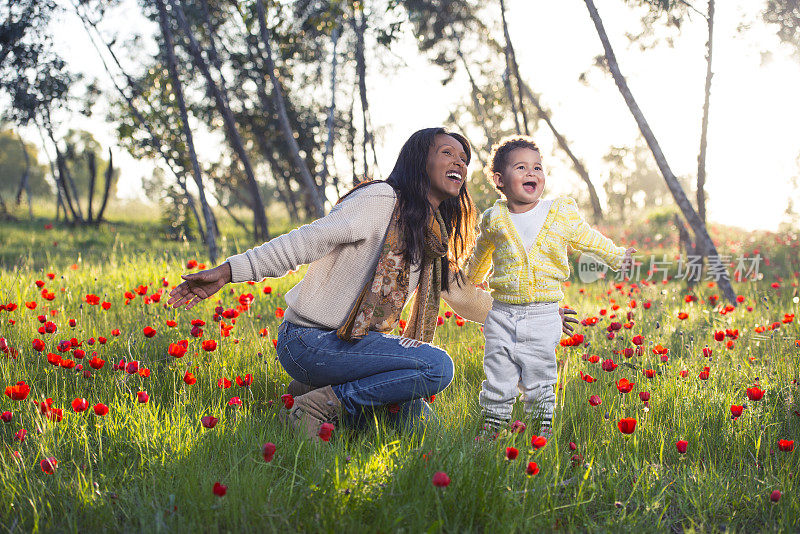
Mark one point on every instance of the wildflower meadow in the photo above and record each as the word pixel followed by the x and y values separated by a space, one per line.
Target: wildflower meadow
pixel 676 410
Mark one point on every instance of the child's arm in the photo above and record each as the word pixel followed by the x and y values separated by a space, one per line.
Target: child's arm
pixel 480 261
pixel 587 239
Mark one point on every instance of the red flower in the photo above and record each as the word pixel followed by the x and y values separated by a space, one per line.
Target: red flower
pixel 189 378
pixel 80 405
pixel 279 312
pixel 325 431
pixel 18 392
pixel 49 465
pixel 736 410
pixel 537 442
pixel 267 290
pixel 31 305
pixel 171 323
pixel 209 345
pixel 785 445
pixel 92 300
pixel 178 349
pixel 683 373
pixel 638 340
pixel 244 382
pixel 609 365
pixel 235 401
pixel 704 373
pixel 624 385
pixel 38 345
pixel 707 352
pixel 627 352
pixel 683 316
pixel 50 327
pixel 644 396
pixel 191 264
pixel 595 400
pixel 719 336
pixel 20 435
pixel 649 373
pixel 627 425
pixel 100 409
pixel 754 393
pixel 775 496
pixel 106 305
pixel 440 479
pixel 197 331
pixel 268 451
pixel 512 453
pixel 223 383
pixel 658 349
pixel 587 377
pixel 96 363
pixel 115 332
pixel 209 421
pixel 219 489
pixel 288 401
pixel 532 469
pixel 149 331
pixel 7 417
pixel 682 445
pixel 594 358
pixel 142 397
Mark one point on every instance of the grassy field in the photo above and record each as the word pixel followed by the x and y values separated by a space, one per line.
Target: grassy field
pixel 152 466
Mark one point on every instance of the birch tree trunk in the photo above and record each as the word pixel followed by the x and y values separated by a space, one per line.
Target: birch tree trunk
pixel 92 163
pixel 360 28
pixel 25 182
pixel 513 67
pixel 177 89
pixel 286 128
pixel 330 122
pixel 701 158
pixel 697 225
pixel 221 101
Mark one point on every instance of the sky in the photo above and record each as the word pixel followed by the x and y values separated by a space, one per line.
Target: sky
pixel 753 144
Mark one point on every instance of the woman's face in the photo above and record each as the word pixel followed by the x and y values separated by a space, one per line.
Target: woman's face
pixel 446 168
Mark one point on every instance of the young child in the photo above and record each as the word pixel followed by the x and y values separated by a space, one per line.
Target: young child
pixel 524 238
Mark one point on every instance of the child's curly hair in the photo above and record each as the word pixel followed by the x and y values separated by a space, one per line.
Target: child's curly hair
pixel 498 159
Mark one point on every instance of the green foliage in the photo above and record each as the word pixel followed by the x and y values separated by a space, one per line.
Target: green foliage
pixel 151 466
pixel 79 144
pixel 12 167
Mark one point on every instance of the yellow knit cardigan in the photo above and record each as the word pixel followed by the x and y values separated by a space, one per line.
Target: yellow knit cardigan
pixel 535 275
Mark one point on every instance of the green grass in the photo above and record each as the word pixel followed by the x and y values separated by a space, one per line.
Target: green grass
pixel 151 467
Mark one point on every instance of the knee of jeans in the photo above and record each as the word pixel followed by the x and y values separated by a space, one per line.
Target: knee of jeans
pixel 440 369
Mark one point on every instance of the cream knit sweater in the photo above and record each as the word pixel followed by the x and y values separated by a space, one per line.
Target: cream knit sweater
pixel 342 249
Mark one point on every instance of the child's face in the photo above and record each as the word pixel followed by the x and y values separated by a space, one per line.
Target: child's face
pixel 522 180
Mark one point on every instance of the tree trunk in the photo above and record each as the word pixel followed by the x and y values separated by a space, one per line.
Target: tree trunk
pixel 360 28
pixel 701 158
pixel 221 101
pixel 108 175
pixel 330 122
pixel 177 89
pixel 480 111
pixel 351 139
pixel 597 209
pixel 513 68
pixel 92 164
pixel 286 128
pixel 25 182
pixel 511 100
pixel 62 183
pixel 227 209
pixel 697 225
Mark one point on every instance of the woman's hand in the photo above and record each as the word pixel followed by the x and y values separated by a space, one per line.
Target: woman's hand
pixel 565 326
pixel 199 286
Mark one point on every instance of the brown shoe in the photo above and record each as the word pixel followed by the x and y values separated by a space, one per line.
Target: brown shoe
pixel 295 388
pixel 313 409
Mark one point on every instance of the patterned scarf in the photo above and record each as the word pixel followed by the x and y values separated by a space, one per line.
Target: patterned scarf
pixel 381 301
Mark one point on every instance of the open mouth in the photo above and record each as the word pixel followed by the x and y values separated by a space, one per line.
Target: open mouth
pixel 529 187
pixel 454 176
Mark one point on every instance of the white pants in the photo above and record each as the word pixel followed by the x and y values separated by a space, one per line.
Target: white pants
pixel 520 356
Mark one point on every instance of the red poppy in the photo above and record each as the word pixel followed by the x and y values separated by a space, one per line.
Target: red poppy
pixel 512 453
pixel 627 425
pixel 658 349
pixel 142 397
pixel 736 410
pixel 100 409
pixel 531 469
pixel 627 352
pixel 644 396
pixel 197 331
pixel 707 352
pixel 20 435
pixel 219 489
pixel 785 445
pixel 106 305
pixel 459 321
pixel 50 327
pixel 624 385
pixel 92 300
pixel 115 332
pixel 683 316
pixel 177 350
pixel 609 365
pixel 279 312
pixel 594 358
pixel 6 417
pixel 49 465
pixel 775 496
pixel 440 479
pixel 649 373
pixel 325 431
pixel 682 445
pixel 209 345
pixel 754 393
pixel 101 340
pixel 595 400
pixel 38 345
pixel 288 401
pixel 719 336
pixel 267 290
pixel 132 367
pixel 235 401
pixel 587 377
pixel 171 323
pixel 518 427
pixel 18 392
pixel 189 378
pixel 537 442
pixel 683 373
pixel 149 331
pixel 244 382
pixel 31 305
pixel 96 363
pixel 80 405
pixel 637 340
pixel 209 421
pixel 223 383
pixel 268 451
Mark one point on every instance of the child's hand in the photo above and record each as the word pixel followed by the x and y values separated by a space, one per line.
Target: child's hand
pixel 627 260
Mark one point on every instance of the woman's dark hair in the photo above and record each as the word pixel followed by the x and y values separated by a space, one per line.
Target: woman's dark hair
pixel 411 181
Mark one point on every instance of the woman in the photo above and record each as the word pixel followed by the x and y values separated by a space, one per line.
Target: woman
pixel 382 243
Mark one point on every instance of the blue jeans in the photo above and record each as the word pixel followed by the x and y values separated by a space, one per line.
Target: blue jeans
pixel 378 370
